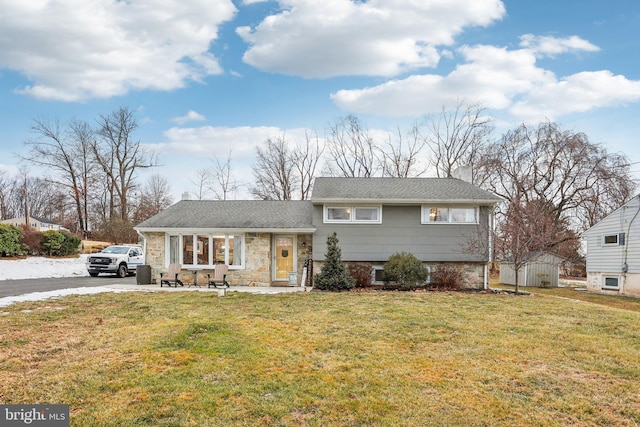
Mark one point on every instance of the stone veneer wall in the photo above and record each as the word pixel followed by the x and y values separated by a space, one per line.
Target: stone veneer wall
pixel 155 254
pixel 257 271
pixel 257 262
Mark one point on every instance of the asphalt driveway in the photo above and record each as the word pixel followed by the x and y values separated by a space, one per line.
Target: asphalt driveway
pixel 10 288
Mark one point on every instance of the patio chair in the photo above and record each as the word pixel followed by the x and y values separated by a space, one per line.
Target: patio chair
pixel 172 276
pixel 219 276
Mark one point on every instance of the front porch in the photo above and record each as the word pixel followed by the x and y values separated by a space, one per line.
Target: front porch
pixel 269 260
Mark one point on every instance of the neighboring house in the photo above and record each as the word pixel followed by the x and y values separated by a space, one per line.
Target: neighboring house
pixel 39 224
pixel 613 251
pixel 541 269
pixel 268 242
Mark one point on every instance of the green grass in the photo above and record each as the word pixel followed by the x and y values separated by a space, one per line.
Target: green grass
pixel 321 359
pixel 580 294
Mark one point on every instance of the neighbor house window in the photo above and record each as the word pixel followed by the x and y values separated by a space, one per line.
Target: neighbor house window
pixel 449 215
pixel 353 214
pixel 614 239
pixel 206 250
pixel 610 283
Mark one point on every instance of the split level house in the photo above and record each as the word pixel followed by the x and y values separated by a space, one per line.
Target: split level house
pixel 269 243
pixel 613 251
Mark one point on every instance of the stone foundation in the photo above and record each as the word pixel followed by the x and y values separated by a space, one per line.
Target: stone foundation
pixel 474 271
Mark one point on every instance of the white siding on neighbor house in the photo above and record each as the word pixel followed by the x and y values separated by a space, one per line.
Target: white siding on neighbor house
pixel 611 258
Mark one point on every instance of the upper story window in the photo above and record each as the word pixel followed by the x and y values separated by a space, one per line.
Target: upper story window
pixel 353 214
pixel 449 215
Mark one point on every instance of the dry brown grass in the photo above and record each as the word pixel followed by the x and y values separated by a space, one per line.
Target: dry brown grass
pixel 92 246
pixel 376 358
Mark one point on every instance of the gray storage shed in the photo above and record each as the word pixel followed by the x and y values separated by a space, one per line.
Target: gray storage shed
pixel 541 270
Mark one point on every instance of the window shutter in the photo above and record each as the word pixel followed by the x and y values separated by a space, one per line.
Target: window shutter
pixel 621 239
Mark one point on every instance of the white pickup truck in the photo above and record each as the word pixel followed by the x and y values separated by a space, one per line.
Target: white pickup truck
pixel 120 260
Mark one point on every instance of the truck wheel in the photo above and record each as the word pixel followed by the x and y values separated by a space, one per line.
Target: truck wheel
pixel 122 271
pixel 93 274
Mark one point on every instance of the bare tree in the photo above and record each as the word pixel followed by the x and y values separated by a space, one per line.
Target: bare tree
pixel 579 180
pixel 4 195
pixel 352 151
pixel 456 136
pixel 527 229
pixel 120 156
pixel 273 171
pixel 155 197
pixel 222 183
pixel 400 157
pixel 202 181
pixel 65 152
pixel 305 158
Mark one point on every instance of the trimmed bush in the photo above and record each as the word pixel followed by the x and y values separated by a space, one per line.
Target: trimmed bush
pixel 70 244
pixel 448 277
pixel 361 273
pixel 405 271
pixel 31 241
pixel 52 241
pixel 59 243
pixel 10 240
pixel 334 275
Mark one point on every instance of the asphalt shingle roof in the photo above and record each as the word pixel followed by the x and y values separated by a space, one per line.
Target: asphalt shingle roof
pixel 245 214
pixel 399 190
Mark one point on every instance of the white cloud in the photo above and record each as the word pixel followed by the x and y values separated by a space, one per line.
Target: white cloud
pixel 74 50
pixel 547 45
pixel 190 149
pixel 327 38
pixel 579 92
pixel 500 79
pixel 191 116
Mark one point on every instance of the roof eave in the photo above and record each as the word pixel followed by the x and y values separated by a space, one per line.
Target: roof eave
pixel 406 201
pixel 196 230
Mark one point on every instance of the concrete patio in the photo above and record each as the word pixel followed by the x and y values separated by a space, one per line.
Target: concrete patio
pixel 204 288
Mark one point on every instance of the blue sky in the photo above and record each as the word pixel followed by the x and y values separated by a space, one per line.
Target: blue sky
pixel 209 76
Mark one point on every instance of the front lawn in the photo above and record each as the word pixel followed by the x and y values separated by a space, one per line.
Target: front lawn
pixel 323 359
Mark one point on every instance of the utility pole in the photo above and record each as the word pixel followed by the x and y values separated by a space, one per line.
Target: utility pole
pixel 26 203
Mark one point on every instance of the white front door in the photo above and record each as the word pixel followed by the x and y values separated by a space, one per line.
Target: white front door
pixel 284 259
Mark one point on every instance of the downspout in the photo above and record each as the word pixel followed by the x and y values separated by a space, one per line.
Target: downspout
pixel 490 236
pixel 486 277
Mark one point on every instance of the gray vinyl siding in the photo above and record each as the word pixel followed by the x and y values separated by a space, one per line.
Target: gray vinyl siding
pixel 401 231
pixel 610 258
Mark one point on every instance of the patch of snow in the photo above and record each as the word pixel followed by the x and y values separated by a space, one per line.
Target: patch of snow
pixel 40 267
pixel 39 296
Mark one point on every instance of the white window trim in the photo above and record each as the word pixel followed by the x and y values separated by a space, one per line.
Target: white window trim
pixel 424 216
pixel 604 281
pixel 211 264
pixel 352 215
pixel 604 240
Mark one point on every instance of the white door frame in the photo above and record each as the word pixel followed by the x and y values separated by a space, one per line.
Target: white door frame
pixel 294 243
